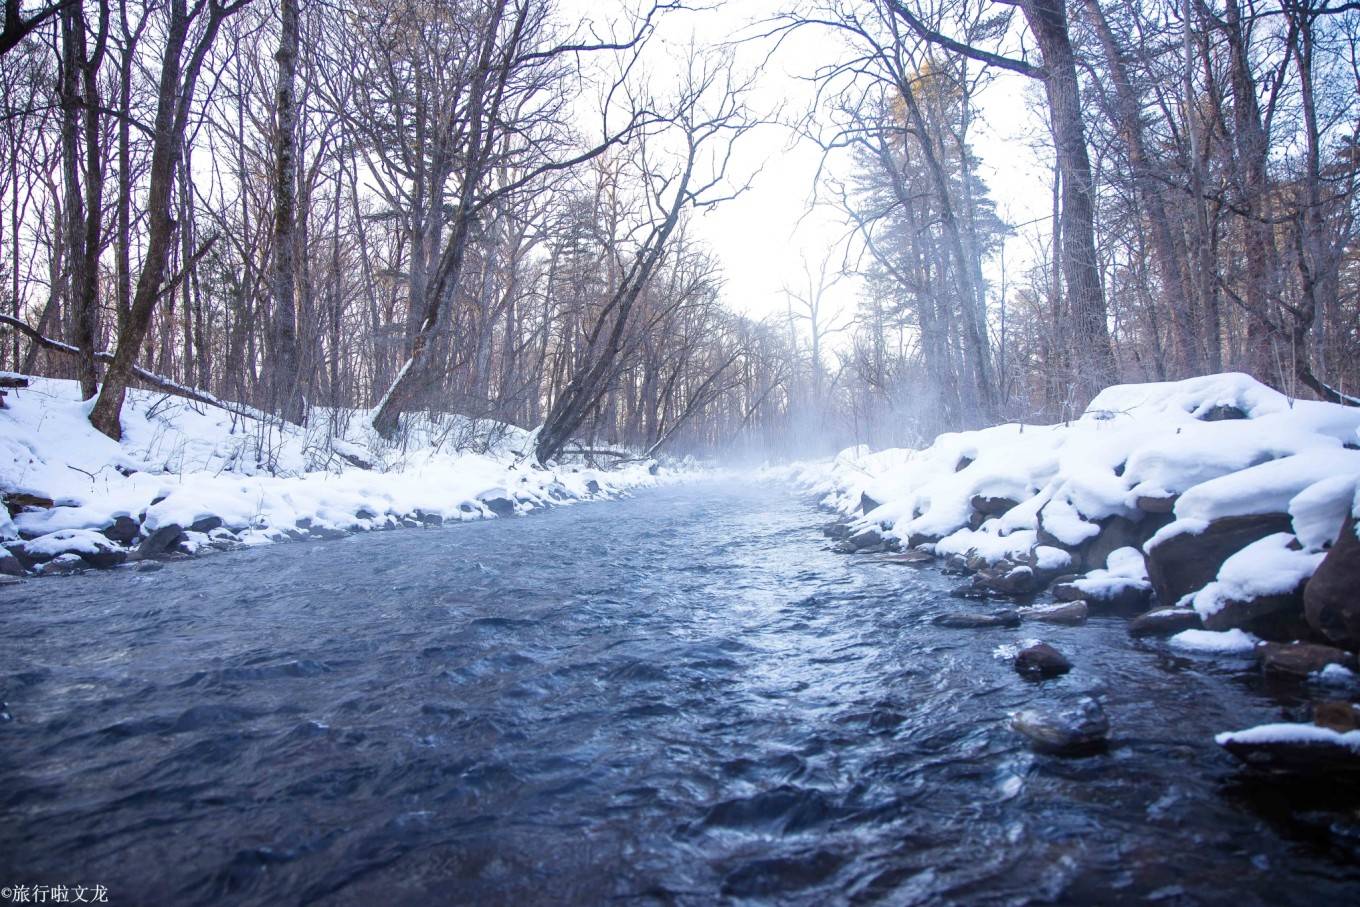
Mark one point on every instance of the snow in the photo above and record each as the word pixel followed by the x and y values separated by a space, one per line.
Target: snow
pixel 261 479
pixel 1124 569
pixel 1047 557
pixel 1287 456
pixel 1291 733
pixel 76 541
pixel 1334 675
pixel 1226 642
pixel 1265 567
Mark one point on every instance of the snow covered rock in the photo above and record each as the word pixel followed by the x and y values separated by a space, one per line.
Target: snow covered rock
pixel 90 546
pixel 1260 589
pixel 9 564
pixel 1184 562
pixel 1309 748
pixel 1215 642
pixel 1332 596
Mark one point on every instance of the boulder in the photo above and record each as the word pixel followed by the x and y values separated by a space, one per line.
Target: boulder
pixel 207 524
pixel 1222 413
pixel 1311 749
pixel 1008 579
pixel 867 503
pixel 1041 660
pixel 978 620
pixel 1331 599
pixel 866 540
pixel 499 505
pixel 1297 660
pixel 1278 617
pixel 1186 562
pixel 1116 595
pixel 149 567
pixel 63 565
pixel 1165 622
pixel 592 486
pixel 123 530
pixel 910 556
pixel 1120 532
pixel 992 505
pixel 162 541
pixel 1078 730
pixel 836 531
pixel 1066 613
pixel 91 547
pixel 1158 504
pixel 17 502
pixel 9 564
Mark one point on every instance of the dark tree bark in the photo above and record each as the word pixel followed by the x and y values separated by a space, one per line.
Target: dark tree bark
pixel 286 376
pixel 174 98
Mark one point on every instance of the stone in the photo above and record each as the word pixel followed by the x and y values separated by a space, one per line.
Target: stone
pixel 499 505
pixel 978 620
pixel 1187 562
pixel 1078 730
pixel 1331 599
pixel 993 505
pixel 327 533
pixel 1335 715
pixel 910 556
pixel 836 531
pixel 1041 660
pixel 429 519
pixel 1296 660
pixel 866 540
pixel 1156 503
pixel 161 542
pixel 364 513
pixel 1067 613
pixel 963 463
pixel 63 565
pixel 1278 617
pixel 1165 622
pixel 1008 579
pixel 1324 751
pixel 1222 413
pixel 1120 532
pixel 205 524
pixel 9 564
pixel 867 503
pixel 592 486
pixel 123 530
pixel 17 502
pixel 150 566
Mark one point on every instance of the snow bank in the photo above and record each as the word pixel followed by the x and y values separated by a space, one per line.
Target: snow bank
pixel 181 462
pixel 1175 455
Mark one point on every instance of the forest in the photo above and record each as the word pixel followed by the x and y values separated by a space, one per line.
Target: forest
pixel 486 208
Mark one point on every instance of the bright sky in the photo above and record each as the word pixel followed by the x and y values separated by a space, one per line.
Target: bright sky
pixel 764 236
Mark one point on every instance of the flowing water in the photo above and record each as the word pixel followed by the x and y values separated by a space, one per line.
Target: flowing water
pixel 683 697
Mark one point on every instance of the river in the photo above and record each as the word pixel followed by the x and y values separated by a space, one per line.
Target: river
pixel 682 697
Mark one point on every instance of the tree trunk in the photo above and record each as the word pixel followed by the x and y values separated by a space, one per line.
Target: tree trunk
pixel 286 389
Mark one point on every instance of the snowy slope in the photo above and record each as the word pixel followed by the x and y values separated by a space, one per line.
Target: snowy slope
pixel 181 462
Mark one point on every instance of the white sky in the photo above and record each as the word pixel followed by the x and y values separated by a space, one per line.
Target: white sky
pixel 763 237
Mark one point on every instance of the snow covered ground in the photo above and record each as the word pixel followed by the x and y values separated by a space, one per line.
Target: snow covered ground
pixel 227 480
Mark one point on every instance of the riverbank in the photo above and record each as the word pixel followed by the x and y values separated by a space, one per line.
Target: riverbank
pixel 189 479
pixel 1213 511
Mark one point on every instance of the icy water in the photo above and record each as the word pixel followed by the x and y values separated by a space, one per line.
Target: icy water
pixel 678 698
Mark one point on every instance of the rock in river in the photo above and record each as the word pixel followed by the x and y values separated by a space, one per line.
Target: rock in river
pixel 975 620
pixel 1165 622
pixel 1041 660
pixel 1074 731
pixel 1069 613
